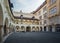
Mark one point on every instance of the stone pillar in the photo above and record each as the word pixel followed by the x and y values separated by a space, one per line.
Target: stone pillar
pixel 42 28
pixel 35 29
pixel 25 28
pixel 53 28
pixel 31 28
pixel 7 31
pixel 10 29
pixel 15 28
pixel 39 28
pixel 47 28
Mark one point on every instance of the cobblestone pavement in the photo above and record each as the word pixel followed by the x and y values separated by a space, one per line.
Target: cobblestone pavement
pixel 33 37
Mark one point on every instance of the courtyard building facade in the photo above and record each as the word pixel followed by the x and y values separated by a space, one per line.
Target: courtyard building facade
pixel 26 22
pixel 49 15
pixel 53 15
pixel 6 22
pixel 46 18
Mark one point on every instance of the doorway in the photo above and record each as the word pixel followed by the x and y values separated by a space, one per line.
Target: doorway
pixel 28 29
pixel 40 28
pixel 58 28
pixel 5 33
pixel 45 28
pixel 50 28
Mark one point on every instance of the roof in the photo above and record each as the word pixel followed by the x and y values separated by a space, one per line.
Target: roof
pixel 25 18
pixel 39 7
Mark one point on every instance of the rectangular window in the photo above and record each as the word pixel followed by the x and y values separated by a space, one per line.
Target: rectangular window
pixel 53 10
pixel 44 9
pixel 45 15
pixel 52 1
pixel 40 17
pixel 45 22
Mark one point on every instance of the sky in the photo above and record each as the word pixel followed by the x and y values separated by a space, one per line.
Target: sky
pixel 26 6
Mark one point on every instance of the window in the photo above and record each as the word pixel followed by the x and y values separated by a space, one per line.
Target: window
pixel 53 10
pixel 45 22
pixel 40 23
pixel 45 15
pixel 52 1
pixel 40 17
pixel 44 9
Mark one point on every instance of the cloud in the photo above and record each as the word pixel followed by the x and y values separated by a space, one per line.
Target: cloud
pixel 27 5
pixel 23 2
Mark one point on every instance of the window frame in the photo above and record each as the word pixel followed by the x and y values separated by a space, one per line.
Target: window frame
pixel 45 9
pixel 53 10
pixel 52 1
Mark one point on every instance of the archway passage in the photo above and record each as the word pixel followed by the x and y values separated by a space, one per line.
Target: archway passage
pixel 45 28
pixel 22 28
pixel 40 28
pixel 57 28
pixel 5 30
pixel 6 27
pixel 1 22
pixel 28 29
pixel 33 29
pixel 37 28
pixel 50 28
pixel 17 28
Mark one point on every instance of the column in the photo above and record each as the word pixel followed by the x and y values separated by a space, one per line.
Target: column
pixel 7 30
pixel 35 28
pixel 47 28
pixel 53 28
pixel 42 28
pixel 15 29
pixel 31 28
pixel 25 28
pixel 39 28
pixel 20 28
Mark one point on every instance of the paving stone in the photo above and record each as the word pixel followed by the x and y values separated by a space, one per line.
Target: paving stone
pixel 33 37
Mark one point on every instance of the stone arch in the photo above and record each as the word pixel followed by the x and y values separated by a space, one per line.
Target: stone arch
pixel 41 28
pixel 37 28
pixel 1 21
pixel 6 27
pixel 1 15
pixel 22 28
pixel 28 29
pixel 17 28
pixel 33 28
